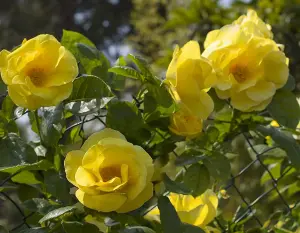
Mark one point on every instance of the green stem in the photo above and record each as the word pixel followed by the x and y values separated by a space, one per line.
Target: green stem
pixel 36 116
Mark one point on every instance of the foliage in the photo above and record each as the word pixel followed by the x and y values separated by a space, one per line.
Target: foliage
pixel 232 143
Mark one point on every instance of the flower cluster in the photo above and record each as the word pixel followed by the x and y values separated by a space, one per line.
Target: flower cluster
pixel 250 66
pixel 240 60
pixel 190 76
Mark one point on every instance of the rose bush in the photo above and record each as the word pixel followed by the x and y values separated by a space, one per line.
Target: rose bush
pixel 172 158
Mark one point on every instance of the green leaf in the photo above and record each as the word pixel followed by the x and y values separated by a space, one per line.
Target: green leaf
pixel 268 154
pixel 39 205
pixel 289 144
pixel 26 177
pixel 168 216
pixel 126 118
pixel 188 159
pixel 187 228
pixel 3 229
pixel 15 152
pixel 3 125
pixel 51 125
pixel 78 227
pixel 290 84
pixel 40 165
pixel 93 61
pixel 143 66
pixel 285 109
pixel 34 230
pixel 8 108
pixel 126 72
pixel 83 108
pixel 218 103
pixel 197 178
pixel 57 186
pixel 89 87
pixel 218 166
pixel 117 82
pixel 3 87
pixel 174 186
pixel 158 102
pixel 137 229
pixel 4 188
pixel 70 39
pixel 27 192
pixel 57 213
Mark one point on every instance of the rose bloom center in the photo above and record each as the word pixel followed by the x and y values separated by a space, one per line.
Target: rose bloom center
pixel 239 72
pixel 108 173
pixel 37 76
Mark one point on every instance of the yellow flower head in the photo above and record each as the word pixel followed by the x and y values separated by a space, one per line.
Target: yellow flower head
pixel 185 124
pixel 38 73
pixel 250 68
pixel 110 173
pixel 249 23
pixel 198 211
pixel 190 77
pixel 252 24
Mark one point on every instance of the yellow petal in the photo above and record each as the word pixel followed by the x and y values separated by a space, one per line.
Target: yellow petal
pixel 261 106
pixel 3 58
pixel 211 38
pixel 176 200
pixel 96 137
pixel 23 96
pixel 261 91
pixel 137 182
pixel 172 68
pixel 111 185
pixel 201 106
pixel 18 95
pixel 275 68
pixel 136 203
pixel 72 162
pixel 145 159
pixel 201 215
pixel 92 159
pixel 190 203
pixel 185 124
pixel 223 94
pixel 103 203
pixel 242 102
pixel 210 196
pixel 115 183
pixel 191 50
pixel 190 77
pixel 84 178
pixel 65 70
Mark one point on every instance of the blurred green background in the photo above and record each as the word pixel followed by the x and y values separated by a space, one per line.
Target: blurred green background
pixel 152 28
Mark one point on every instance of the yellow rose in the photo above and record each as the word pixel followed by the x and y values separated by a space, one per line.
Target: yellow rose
pixel 250 68
pixel 185 124
pixel 198 211
pixel 190 77
pixel 38 73
pixel 249 23
pixel 110 173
